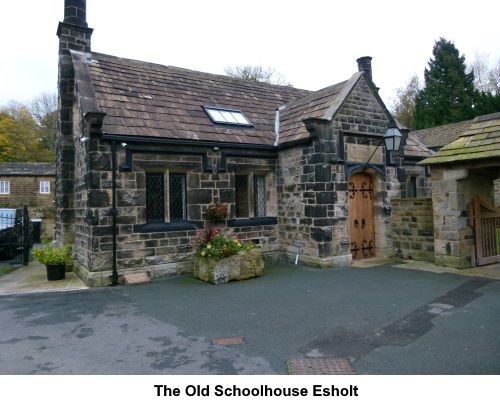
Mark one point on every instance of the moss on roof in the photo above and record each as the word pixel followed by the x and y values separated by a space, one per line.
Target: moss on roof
pixel 480 141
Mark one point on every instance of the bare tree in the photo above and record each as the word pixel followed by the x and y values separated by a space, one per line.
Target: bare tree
pixel 486 79
pixel 403 105
pixel 494 78
pixel 479 66
pixel 258 74
pixel 43 108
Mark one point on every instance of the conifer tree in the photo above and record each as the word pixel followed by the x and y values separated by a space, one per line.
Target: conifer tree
pixel 449 95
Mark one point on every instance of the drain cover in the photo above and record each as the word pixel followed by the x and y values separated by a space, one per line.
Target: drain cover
pixel 320 367
pixel 227 341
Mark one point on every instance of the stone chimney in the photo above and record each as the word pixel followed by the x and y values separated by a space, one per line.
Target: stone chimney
pixel 73 31
pixel 75 12
pixel 365 65
pixel 74 35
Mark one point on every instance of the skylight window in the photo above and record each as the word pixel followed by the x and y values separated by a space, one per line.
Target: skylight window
pixel 225 116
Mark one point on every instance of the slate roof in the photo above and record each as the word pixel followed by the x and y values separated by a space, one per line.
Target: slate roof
pixel 480 141
pixel 150 100
pixel 415 149
pixel 437 137
pixel 27 169
pixel 315 105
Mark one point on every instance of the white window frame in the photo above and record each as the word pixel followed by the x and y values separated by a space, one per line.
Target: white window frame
pixel 227 116
pixel 4 187
pixel 44 187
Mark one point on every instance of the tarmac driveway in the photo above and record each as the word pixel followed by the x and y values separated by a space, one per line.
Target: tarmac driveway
pixel 383 320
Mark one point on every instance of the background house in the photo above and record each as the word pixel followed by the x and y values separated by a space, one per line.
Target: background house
pixel 418 180
pixel 33 185
pixel 144 149
pixel 437 137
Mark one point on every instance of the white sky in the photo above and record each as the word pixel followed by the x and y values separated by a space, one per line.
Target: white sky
pixel 313 43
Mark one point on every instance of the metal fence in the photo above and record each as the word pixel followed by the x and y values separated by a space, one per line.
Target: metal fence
pixel 16 235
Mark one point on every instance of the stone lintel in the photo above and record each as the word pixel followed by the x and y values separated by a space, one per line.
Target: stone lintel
pixel 455 174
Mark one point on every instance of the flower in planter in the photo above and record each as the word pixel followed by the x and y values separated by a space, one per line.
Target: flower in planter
pixel 217 212
pixel 211 242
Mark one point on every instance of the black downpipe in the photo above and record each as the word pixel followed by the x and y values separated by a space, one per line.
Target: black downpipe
pixel 26 236
pixel 114 276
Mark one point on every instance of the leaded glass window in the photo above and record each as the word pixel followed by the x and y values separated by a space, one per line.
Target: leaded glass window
pixel 155 202
pixel 177 197
pixel 241 191
pixel 259 191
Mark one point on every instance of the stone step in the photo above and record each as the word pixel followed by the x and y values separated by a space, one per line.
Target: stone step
pixel 136 279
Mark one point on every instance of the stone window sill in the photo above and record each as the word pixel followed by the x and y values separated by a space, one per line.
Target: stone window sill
pixel 172 226
pixel 192 225
pixel 252 221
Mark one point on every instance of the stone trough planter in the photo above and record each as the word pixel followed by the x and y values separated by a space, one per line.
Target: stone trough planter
pixel 244 265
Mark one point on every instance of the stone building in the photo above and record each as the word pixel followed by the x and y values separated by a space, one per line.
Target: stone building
pixel 30 184
pixel 465 196
pixel 33 185
pixel 144 149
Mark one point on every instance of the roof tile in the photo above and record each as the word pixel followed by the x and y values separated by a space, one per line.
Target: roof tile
pixel 480 141
pixel 151 100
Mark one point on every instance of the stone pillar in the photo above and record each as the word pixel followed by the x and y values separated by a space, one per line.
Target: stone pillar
pixel 453 238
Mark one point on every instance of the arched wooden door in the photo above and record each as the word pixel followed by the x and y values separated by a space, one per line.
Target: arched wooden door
pixel 361 218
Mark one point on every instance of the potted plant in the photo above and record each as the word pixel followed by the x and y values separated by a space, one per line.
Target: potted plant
pixel 55 257
pixel 216 212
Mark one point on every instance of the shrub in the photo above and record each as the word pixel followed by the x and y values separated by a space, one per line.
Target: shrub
pixel 51 253
pixel 211 242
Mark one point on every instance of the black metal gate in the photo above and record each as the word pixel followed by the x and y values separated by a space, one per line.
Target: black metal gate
pixel 16 235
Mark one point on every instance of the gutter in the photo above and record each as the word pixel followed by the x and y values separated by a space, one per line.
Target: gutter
pixel 186 142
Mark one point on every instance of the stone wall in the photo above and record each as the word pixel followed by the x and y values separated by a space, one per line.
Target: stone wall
pixel 453 189
pixel 423 182
pixel 496 193
pixel 454 239
pixel 313 183
pixel 413 228
pixel 158 250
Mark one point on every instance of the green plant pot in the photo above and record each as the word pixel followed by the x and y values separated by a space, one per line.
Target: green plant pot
pixel 56 272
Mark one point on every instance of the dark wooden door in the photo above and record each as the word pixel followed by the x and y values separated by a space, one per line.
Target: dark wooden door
pixel 361 220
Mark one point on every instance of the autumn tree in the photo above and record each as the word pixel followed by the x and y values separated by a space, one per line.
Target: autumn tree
pixel 21 136
pixel 257 74
pixel 403 105
pixel 449 95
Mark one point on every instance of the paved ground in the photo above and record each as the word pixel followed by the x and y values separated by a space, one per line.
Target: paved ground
pixel 384 319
